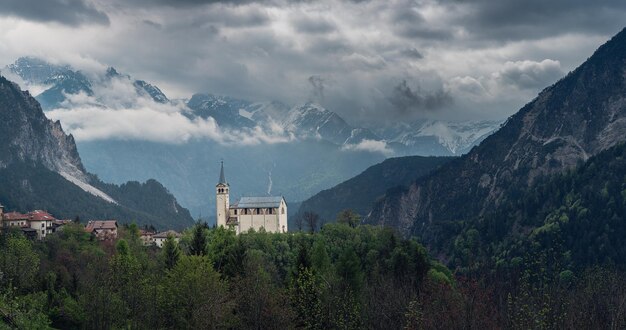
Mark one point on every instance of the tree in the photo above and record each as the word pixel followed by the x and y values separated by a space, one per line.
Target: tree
pixel 18 262
pixel 261 303
pixel 196 297
pixel 126 283
pixel 299 222
pixel 198 245
pixel 306 300
pixel 311 219
pixel 171 252
pixel 349 217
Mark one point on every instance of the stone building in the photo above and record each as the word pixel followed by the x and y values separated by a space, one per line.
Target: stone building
pixel 267 212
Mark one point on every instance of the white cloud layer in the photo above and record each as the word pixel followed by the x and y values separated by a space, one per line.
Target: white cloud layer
pixel 119 112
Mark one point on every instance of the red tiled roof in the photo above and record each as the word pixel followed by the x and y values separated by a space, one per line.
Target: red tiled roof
pixel 101 224
pixel 12 216
pixel 39 215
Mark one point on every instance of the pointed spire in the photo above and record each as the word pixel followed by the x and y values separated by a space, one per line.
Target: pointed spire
pixel 222 177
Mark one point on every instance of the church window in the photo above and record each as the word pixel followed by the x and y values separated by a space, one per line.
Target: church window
pixel 235 211
pixel 282 210
pixel 258 211
pixel 245 211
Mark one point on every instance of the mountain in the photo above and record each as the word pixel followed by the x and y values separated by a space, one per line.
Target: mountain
pixel 224 110
pixel 59 81
pixel 570 121
pixel 437 137
pixel 296 170
pixel 270 147
pixel 360 192
pixel 40 168
pixel 314 121
pixel 36 70
pixel 574 220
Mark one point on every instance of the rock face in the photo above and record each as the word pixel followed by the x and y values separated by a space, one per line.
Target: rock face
pixel 579 116
pixel 30 136
pixel 40 168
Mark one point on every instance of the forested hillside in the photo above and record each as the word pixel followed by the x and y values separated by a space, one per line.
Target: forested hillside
pixel 30 186
pixel 360 192
pixel 339 278
pixel 575 219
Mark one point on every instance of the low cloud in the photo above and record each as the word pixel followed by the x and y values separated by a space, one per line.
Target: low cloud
pixel 531 74
pixel 119 113
pixel 370 146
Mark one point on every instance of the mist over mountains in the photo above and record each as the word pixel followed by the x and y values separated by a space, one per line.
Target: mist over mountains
pixel 128 129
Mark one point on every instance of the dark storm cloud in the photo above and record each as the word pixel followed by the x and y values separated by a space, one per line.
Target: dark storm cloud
pixel 410 23
pixel 406 100
pixel 527 19
pixel 411 53
pixel 152 24
pixel 68 12
pixel 317 84
pixel 309 25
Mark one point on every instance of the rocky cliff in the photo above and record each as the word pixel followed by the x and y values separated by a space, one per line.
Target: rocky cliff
pixel 579 116
pixel 40 168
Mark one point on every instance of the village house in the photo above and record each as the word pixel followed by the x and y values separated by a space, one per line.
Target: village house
pixel 267 212
pixel 33 224
pixel 160 238
pixel 103 230
pixel 146 237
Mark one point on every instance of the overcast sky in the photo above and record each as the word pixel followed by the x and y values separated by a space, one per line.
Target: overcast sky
pixel 370 61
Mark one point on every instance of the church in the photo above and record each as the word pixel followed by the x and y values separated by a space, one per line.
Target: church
pixel 268 212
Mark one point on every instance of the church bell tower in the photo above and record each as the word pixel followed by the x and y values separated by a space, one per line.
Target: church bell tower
pixel 222 199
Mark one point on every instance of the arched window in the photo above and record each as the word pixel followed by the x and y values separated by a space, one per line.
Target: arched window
pixel 282 210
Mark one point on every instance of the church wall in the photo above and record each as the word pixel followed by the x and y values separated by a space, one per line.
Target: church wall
pixel 268 221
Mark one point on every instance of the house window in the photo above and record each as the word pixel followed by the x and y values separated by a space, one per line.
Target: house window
pixel 269 211
pixel 43 232
pixel 43 225
pixel 258 211
pixel 235 211
pixel 245 211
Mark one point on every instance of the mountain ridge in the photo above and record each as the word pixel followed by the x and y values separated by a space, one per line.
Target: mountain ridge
pixel 41 167
pixel 577 117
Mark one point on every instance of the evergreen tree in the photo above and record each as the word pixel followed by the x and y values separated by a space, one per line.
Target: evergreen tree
pixel 198 245
pixel 171 252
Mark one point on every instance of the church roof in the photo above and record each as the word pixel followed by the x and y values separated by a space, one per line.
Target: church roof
pixel 222 177
pixel 260 202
